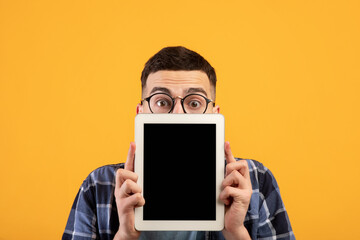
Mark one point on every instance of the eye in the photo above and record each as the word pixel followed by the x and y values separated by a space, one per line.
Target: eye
pixel 162 103
pixel 194 104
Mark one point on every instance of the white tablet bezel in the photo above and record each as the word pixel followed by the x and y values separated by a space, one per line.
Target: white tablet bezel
pixel 173 225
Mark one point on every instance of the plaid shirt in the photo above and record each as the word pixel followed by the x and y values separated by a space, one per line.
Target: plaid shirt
pixel 94 213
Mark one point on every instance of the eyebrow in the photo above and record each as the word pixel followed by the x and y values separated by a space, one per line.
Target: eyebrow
pixel 196 90
pixel 189 90
pixel 160 89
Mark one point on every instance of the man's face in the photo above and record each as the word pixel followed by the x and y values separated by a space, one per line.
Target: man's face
pixel 178 84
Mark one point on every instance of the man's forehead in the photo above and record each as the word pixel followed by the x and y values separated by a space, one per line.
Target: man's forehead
pixel 184 76
pixel 178 80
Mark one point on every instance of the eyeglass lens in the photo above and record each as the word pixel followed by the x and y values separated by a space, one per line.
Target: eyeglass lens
pixel 162 103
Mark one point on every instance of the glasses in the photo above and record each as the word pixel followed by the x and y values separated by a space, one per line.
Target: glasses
pixel 164 103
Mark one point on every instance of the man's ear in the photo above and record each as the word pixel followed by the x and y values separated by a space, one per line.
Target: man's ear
pixel 216 109
pixel 139 108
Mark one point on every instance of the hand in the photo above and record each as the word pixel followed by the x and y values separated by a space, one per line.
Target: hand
pixel 236 196
pixel 128 197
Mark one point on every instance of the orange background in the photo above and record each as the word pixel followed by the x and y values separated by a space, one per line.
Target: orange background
pixel 288 86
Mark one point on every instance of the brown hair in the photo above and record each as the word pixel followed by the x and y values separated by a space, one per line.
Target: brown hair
pixel 177 58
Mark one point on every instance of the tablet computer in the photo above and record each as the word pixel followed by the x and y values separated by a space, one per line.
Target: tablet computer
pixel 179 160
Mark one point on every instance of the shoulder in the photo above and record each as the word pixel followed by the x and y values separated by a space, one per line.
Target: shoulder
pixel 93 198
pixel 262 178
pixel 102 176
pixel 266 217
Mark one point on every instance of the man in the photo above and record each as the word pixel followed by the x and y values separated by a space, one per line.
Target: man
pixel 178 80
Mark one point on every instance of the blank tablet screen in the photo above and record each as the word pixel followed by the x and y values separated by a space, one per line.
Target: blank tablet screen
pixel 179 172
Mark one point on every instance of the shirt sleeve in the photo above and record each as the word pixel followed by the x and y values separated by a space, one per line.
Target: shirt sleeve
pixel 81 224
pixel 273 218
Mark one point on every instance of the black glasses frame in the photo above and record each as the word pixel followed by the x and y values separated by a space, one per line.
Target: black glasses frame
pixel 181 100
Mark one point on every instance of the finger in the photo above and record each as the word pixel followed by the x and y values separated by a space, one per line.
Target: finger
pixel 228 154
pixel 235 179
pixel 244 170
pixel 128 188
pixel 240 166
pixel 122 175
pixel 129 164
pixel 132 202
pixel 224 199
pixel 227 194
pixel 238 195
pixel 139 200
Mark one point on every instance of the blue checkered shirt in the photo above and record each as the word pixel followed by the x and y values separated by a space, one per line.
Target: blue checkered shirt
pixel 94 213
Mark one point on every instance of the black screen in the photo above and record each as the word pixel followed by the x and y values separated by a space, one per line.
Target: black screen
pixel 179 172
